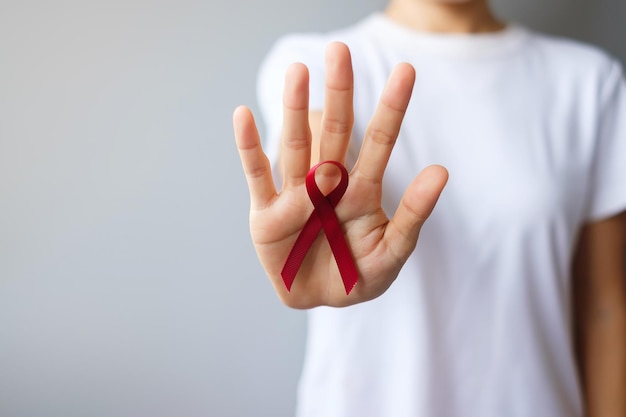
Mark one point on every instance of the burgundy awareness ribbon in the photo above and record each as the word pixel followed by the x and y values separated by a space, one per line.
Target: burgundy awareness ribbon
pixel 323 217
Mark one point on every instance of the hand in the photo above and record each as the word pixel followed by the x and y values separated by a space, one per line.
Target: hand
pixel 379 246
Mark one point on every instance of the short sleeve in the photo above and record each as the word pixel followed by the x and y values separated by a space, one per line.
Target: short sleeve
pixel 307 49
pixel 608 175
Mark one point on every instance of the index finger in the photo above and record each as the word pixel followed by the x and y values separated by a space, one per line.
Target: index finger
pixel 383 129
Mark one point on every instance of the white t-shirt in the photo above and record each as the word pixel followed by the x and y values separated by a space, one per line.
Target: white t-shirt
pixel 533 132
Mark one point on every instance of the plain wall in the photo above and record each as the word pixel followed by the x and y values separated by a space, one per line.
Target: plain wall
pixel 128 283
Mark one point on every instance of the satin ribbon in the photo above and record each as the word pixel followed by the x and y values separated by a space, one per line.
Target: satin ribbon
pixel 324 218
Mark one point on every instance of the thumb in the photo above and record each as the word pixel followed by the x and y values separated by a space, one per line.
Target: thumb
pixel 417 203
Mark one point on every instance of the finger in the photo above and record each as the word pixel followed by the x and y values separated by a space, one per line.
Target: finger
pixel 338 116
pixel 383 129
pixel 296 135
pixel 417 203
pixel 256 166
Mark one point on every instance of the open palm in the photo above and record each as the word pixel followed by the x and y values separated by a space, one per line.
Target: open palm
pixel 379 246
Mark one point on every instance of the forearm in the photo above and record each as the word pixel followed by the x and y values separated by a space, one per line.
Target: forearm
pixel 602 350
pixel 600 306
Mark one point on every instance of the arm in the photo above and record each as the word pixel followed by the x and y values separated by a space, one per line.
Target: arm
pixel 600 315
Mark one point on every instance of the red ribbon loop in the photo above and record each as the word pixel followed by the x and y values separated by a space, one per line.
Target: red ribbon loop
pixel 323 217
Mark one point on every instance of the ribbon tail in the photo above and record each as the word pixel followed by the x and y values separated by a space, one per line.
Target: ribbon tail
pixel 343 257
pixel 339 247
pixel 300 248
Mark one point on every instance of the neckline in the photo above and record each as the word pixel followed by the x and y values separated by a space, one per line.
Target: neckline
pixel 454 45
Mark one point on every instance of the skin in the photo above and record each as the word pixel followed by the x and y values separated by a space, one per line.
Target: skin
pixel 600 315
pixel 444 16
pixel 380 246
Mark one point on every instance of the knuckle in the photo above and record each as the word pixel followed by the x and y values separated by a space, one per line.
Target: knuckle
pixel 337 126
pixel 298 142
pixel 381 136
pixel 257 171
pixel 418 217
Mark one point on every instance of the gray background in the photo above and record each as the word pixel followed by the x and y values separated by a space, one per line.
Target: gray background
pixel 128 285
